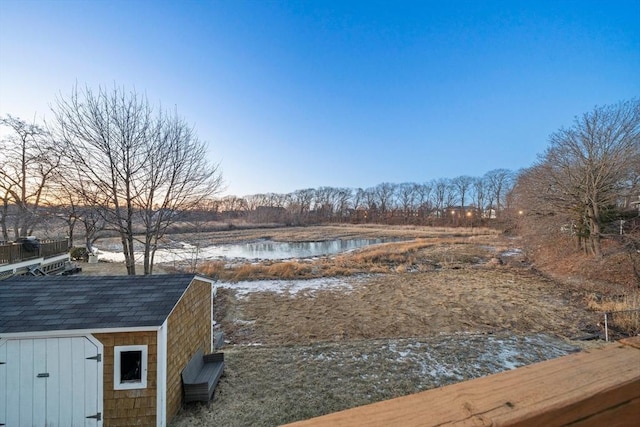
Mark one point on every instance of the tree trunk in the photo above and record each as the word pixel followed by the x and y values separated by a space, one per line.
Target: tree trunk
pixel 127 249
pixel 594 230
pixel 148 263
pixel 3 220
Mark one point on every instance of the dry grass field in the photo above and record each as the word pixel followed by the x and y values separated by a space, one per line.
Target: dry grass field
pixel 438 305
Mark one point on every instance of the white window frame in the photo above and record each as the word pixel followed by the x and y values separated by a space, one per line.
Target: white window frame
pixel 117 383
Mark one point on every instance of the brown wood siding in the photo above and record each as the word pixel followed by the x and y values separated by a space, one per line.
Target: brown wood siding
pixel 129 407
pixel 189 328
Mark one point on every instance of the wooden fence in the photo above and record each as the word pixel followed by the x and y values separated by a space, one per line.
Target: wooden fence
pixel 13 252
pixel 599 387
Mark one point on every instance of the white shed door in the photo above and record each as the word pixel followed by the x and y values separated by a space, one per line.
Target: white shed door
pixel 49 382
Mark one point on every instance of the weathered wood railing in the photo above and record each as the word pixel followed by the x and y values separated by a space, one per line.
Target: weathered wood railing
pixel 13 252
pixel 599 387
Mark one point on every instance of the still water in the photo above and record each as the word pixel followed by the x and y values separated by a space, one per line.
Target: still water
pixel 284 250
pixel 254 250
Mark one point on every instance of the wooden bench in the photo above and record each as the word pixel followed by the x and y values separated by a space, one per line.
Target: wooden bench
pixel 200 376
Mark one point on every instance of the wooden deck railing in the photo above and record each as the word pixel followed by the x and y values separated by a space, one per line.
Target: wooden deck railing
pixel 599 387
pixel 13 252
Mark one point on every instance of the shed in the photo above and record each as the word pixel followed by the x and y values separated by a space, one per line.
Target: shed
pixel 99 350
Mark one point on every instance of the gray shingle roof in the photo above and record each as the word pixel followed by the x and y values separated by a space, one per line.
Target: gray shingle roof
pixel 54 303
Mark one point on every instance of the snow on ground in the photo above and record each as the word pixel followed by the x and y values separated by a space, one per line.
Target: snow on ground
pixel 449 357
pixel 292 287
pixel 512 252
pixel 187 254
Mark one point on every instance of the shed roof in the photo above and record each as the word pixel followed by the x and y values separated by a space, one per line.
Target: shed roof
pixel 58 303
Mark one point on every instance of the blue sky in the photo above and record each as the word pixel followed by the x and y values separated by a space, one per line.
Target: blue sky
pixel 303 94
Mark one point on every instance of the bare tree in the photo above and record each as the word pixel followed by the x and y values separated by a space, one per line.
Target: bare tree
pixel 499 183
pixel 385 193
pixel 440 191
pixel 407 193
pixel 233 206
pixel 300 205
pixel 586 165
pixel 28 161
pixel 343 201
pixel 463 185
pixel 369 201
pixel 174 178
pixel 588 171
pixel 133 163
pixel 423 199
pixel 480 191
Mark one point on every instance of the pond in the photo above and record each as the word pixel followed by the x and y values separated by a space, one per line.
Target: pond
pixel 284 250
pixel 264 249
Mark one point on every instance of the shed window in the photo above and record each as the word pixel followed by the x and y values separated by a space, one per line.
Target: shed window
pixel 130 367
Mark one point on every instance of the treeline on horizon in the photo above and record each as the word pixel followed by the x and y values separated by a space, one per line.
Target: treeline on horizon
pixel 460 201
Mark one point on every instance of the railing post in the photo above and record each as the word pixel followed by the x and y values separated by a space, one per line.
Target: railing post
pixel 606 328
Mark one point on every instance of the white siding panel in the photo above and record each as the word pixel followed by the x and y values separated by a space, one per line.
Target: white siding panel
pixel 54 394
pixel 3 382
pixel 39 401
pixel 63 398
pixel 65 375
pixel 13 383
pixel 77 380
pixel 91 383
pixel 27 380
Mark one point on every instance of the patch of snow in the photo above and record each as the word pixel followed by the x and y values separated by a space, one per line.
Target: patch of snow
pixel 292 287
pixel 108 255
pixel 512 252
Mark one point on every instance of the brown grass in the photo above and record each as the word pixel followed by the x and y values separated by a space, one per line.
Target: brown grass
pixel 273 385
pixel 335 231
pixel 623 311
pixel 421 254
pixel 437 315
pixel 483 299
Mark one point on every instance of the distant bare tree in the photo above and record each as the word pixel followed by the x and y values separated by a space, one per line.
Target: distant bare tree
pixel 385 193
pixel 233 204
pixel 134 164
pixel 423 199
pixel 480 191
pixel 499 183
pixel 370 204
pixel 440 192
pixel 343 200
pixel 407 193
pixel 300 205
pixel 463 185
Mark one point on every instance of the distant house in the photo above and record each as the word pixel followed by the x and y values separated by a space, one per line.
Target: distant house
pixel 99 350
